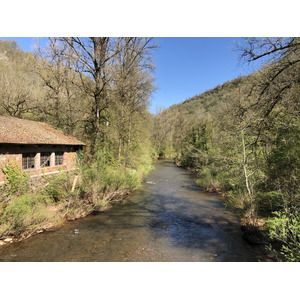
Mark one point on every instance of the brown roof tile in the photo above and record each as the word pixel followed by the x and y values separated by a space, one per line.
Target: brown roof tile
pixel 19 131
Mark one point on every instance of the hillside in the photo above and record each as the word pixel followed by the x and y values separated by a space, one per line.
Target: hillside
pixel 210 98
pixel 242 138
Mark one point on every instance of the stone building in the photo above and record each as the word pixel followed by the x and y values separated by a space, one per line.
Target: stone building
pixel 37 147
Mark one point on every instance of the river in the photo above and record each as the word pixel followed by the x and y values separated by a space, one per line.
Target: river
pixel 168 219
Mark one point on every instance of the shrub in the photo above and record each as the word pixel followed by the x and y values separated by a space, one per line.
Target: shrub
pixel 16 180
pixel 59 187
pixel 223 180
pixel 286 228
pixel 103 174
pixel 268 202
pixel 206 180
pixel 27 212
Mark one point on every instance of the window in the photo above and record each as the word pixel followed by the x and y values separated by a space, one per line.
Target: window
pixel 59 158
pixel 28 160
pixel 45 159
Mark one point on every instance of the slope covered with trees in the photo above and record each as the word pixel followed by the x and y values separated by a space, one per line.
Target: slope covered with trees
pixel 243 137
pixel 96 89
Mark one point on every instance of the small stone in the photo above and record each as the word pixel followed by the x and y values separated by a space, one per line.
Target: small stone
pixel 8 240
pixel 1 243
pixel 39 231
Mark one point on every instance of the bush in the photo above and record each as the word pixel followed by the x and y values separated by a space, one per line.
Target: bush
pixel 109 178
pixel 223 180
pixel 16 180
pixel 267 202
pixel 206 180
pixel 59 187
pixel 286 228
pixel 27 212
pixel 103 174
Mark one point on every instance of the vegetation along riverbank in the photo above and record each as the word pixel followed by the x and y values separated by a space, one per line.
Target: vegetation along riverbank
pixel 242 138
pixel 94 89
pixel 31 206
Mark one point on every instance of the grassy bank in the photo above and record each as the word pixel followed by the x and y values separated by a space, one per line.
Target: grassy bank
pixel 28 208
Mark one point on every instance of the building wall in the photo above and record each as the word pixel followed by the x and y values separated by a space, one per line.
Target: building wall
pixel 12 153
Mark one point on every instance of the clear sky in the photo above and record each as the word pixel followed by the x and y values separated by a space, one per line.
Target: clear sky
pixel 189 66
pixel 186 66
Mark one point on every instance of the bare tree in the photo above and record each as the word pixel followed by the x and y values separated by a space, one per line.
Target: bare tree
pixel 132 84
pixel 276 86
pixel 92 58
pixel 63 104
pixel 18 85
pixel 272 49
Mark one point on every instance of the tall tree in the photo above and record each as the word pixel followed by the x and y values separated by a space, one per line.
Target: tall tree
pixel 131 85
pixel 92 58
pixel 64 105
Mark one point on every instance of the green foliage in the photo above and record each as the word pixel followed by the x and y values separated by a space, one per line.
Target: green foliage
pixel 16 180
pixel 284 159
pixel 114 123
pixel 223 178
pixel 205 179
pixel 103 175
pixel 268 201
pixel 59 187
pixel 286 228
pixel 243 137
pixel 25 212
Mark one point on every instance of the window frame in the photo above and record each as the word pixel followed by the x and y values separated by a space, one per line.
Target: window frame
pixel 26 157
pixel 59 158
pixel 43 161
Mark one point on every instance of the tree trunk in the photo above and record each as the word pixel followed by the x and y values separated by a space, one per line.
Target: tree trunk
pixel 252 214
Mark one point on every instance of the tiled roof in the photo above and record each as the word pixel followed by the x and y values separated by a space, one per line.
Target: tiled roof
pixel 19 131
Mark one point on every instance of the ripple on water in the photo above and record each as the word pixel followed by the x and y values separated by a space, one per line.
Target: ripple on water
pixel 168 219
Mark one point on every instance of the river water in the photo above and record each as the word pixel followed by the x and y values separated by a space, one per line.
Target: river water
pixel 168 219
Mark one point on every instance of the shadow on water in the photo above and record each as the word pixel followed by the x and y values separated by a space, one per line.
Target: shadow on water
pixel 218 234
pixel 168 219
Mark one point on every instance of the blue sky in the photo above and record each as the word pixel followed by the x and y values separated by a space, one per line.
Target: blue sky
pixel 190 66
pixel 187 66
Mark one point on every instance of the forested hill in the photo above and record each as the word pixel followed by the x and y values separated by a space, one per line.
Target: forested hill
pixel 210 98
pixel 174 123
pixel 243 139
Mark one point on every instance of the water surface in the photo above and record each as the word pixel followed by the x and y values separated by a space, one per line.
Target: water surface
pixel 168 219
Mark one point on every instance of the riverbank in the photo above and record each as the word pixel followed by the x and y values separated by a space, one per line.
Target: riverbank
pixel 253 234
pixel 169 218
pixel 62 217
pixel 28 208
